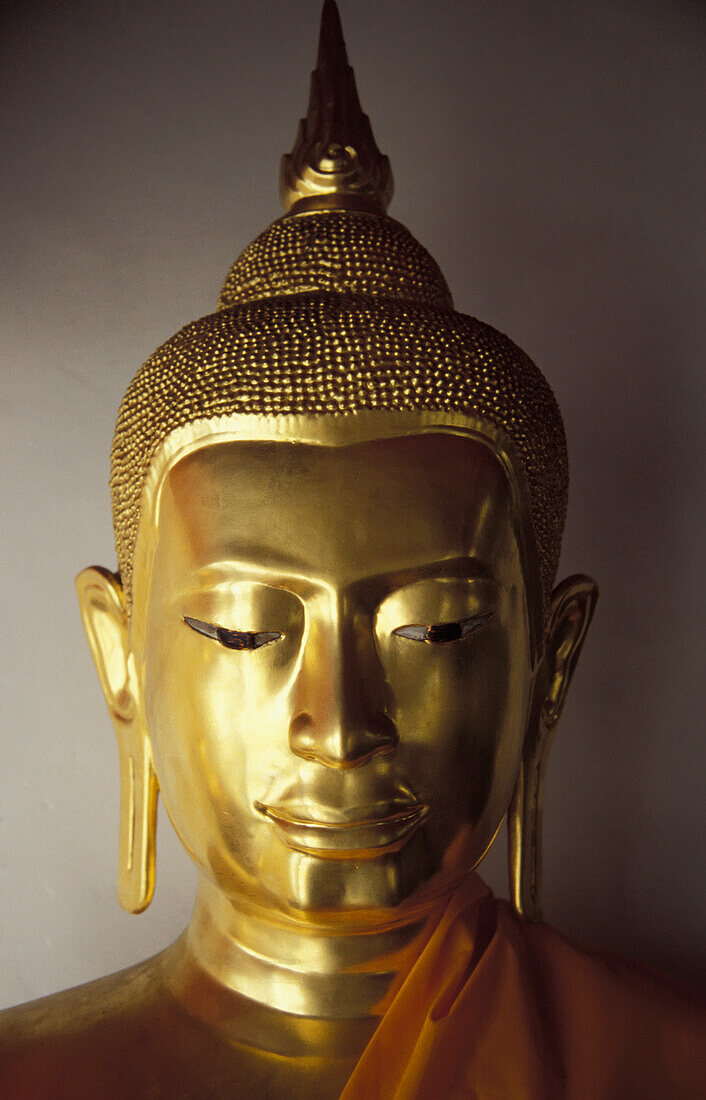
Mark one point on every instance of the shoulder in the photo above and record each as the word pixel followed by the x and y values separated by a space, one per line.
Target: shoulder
pixel 612 1019
pixel 72 1042
pixel 75 1010
pixel 571 965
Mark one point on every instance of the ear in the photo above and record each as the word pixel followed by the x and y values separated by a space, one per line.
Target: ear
pixel 104 617
pixel 570 614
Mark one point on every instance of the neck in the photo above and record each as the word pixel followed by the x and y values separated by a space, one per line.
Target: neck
pixel 289 967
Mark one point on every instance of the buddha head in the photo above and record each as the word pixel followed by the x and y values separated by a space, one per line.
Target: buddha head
pixel 335 644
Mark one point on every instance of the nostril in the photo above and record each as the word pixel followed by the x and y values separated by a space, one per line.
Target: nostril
pixel 384 731
pixel 301 724
pixel 300 733
pixel 302 736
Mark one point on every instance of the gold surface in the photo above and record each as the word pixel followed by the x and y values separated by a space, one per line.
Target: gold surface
pixel 324 791
pixel 333 647
pixel 336 252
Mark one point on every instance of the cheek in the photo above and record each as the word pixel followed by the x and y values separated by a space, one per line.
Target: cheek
pixel 217 720
pixel 461 712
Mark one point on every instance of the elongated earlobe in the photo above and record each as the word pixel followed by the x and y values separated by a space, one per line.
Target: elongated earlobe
pixel 572 607
pixel 105 622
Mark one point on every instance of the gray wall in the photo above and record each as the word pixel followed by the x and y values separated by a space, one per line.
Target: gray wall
pixel 548 155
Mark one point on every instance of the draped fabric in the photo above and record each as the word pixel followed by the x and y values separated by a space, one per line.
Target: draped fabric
pixel 498 1008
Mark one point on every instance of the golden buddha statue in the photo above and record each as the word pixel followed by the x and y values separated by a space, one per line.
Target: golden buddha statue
pixel 335 647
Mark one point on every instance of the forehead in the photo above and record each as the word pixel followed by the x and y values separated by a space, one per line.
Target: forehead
pixel 335 512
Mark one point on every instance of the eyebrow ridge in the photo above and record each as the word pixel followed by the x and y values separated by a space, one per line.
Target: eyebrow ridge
pixel 462 568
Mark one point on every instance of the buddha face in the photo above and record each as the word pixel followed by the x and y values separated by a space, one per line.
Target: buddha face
pixel 336 667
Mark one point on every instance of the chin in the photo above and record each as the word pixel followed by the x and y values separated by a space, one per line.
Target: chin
pixel 385 889
pixel 389 889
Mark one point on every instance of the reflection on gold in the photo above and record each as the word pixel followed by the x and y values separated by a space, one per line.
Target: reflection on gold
pixel 330 770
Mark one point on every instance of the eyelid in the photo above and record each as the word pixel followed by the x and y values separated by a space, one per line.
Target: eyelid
pixel 443 633
pixel 233 639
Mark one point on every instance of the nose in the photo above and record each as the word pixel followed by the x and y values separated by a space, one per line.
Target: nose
pixel 338 717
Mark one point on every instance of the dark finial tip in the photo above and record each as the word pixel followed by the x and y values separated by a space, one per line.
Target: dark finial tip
pixel 332 48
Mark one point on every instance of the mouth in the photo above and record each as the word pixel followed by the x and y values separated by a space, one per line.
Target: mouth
pixel 373 833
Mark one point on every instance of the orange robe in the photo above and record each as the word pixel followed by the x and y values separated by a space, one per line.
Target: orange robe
pixel 498 1008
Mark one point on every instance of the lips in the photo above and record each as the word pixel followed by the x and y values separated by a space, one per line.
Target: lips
pixel 373 832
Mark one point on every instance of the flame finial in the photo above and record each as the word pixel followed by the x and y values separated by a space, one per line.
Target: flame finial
pixel 335 163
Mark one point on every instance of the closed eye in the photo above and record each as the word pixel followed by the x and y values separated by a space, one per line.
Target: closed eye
pixel 443 633
pixel 233 639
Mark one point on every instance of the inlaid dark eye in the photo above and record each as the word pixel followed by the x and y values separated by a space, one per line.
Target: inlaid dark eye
pixel 443 633
pixel 233 639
